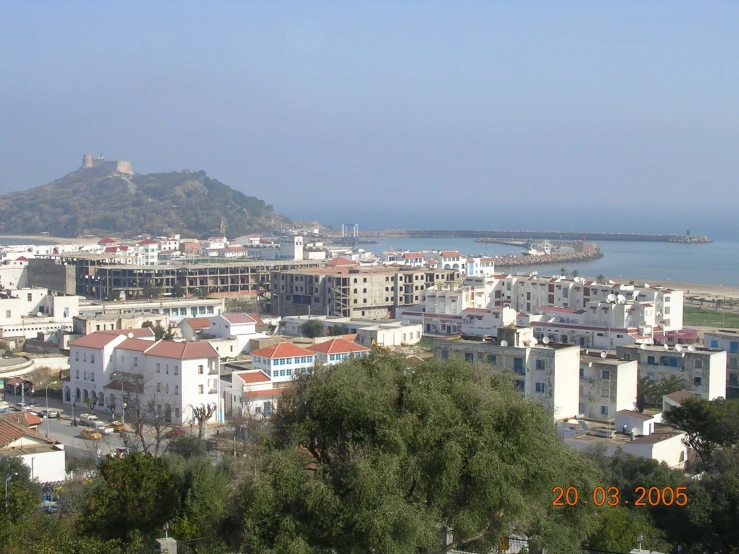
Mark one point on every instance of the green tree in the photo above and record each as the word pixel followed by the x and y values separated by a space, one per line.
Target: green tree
pixel 370 457
pixel 338 330
pixel 178 291
pixel 601 278
pixel 619 527
pixel 312 328
pixel 669 384
pixel 160 333
pixel 151 290
pixel 563 272
pixel 24 496
pixel 575 273
pixel 134 498
pixel 644 393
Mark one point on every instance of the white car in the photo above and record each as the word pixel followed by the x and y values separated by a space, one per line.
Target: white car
pixel 21 407
pixel 51 414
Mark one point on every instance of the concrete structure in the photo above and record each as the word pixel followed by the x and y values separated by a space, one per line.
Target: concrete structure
pixel 52 273
pixel 607 385
pixel 282 361
pixel 44 457
pixel 28 312
pixel 14 273
pixel 254 393
pixel 675 399
pixel 335 351
pixel 111 166
pixel 291 249
pixel 703 369
pixel 548 374
pixel 239 327
pixel 84 325
pixel 108 368
pixel 728 341
pixel 176 309
pixel 369 332
pixel 351 291
pixel 191 328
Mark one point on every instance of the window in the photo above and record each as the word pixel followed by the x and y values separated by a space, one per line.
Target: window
pixel 166 369
pixel 492 359
pixel 651 360
pixel 697 381
pixel 159 387
pixel 518 363
pixel 699 364
pixel 469 356
pixel 541 364
pixel 582 374
pixel 92 377
pixel 166 388
pixel 200 389
pixel 159 368
pixel 77 374
pixel 84 357
pixel 604 392
pixel 177 413
pixel 604 410
pixel 200 370
pixel 29 297
pixel 650 376
pixel 605 374
pixel 541 387
pixel 76 356
pixel 135 361
pixel 627 356
pixel 176 370
pixel 176 390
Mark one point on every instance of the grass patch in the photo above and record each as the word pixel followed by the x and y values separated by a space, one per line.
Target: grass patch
pixel 426 343
pixel 710 318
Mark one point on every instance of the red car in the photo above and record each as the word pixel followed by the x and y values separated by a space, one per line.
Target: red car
pixel 175 433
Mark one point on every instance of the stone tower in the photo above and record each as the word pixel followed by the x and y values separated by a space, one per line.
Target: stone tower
pixel 86 160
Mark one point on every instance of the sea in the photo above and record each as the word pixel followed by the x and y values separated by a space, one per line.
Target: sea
pixel 715 263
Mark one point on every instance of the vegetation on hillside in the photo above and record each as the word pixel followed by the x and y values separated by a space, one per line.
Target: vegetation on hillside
pixel 95 201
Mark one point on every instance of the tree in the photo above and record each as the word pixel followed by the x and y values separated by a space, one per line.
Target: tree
pixel 669 384
pixel 618 528
pixel 575 273
pixel 151 290
pixel 24 495
pixel 271 327
pixel 160 333
pixel 368 456
pixel 563 272
pixel 707 425
pixel 644 393
pixel 312 328
pixel 202 415
pixel 135 496
pixel 338 330
pixel 601 278
pixel 178 291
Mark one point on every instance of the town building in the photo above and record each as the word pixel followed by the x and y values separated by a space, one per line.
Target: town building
pixel 282 361
pixel 702 369
pixel 728 341
pixel 14 273
pixel 254 394
pixel 607 384
pixel 385 333
pixel 84 325
pixel 351 291
pixel 546 373
pixel 239 327
pixel 29 312
pixel 43 456
pixel 191 328
pixel 335 351
pixel 108 368
pixel 176 309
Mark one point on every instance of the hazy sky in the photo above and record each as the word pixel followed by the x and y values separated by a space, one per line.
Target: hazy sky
pixel 484 111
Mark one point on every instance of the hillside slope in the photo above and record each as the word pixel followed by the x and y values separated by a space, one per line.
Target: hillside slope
pixel 102 201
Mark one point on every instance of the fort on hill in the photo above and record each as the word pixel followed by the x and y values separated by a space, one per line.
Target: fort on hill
pixel 107 165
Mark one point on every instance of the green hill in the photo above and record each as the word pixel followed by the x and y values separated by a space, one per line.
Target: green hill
pixel 109 199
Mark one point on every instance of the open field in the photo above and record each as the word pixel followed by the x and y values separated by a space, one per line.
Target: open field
pixel 701 317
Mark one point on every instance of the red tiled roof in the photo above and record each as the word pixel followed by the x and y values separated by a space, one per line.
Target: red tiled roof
pixel 198 323
pixel 257 319
pixel 16 381
pixel 139 333
pixel 449 254
pixel 107 240
pixel 236 319
pixel 487 259
pixel 339 261
pixel 11 431
pixel 21 259
pixel 431 262
pixel 253 377
pixel 137 345
pixel 680 395
pixel 338 345
pixel 477 310
pixel 149 241
pixel 182 350
pixel 263 393
pixel 409 255
pixel 31 419
pixel 94 340
pixel 282 350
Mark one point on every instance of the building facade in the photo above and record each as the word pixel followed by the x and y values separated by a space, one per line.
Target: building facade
pixel 729 342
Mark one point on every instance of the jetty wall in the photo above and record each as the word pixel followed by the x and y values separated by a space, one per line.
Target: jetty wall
pixel 587 253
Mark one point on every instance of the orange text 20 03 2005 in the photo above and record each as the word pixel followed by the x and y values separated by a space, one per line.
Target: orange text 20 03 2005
pixel 652 496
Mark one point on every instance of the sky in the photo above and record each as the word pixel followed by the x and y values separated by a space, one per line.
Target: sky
pixel 611 115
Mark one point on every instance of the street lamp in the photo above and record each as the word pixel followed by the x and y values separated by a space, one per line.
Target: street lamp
pixel 74 421
pixel 7 479
pixel 47 405
pixel 123 401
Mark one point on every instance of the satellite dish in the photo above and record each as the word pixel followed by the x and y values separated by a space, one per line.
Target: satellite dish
pixel 534 342
pixel 39 314
pixel 504 343
pixel 131 335
pixel 646 285
pixel 679 347
pixel 621 299
pixel 667 346
pixel 691 348
pixel 603 354
pixel 643 346
pixel 545 340
pixel 611 282
pixel 611 298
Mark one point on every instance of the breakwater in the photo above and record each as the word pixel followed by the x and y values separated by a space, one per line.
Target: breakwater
pixel 536 235
pixel 584 253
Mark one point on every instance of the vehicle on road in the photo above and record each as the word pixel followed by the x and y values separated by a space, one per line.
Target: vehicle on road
pixel 51 414
pixel 4 407
pixel 21 407
pixel 118 426
pixel 105 430
pixel 174 433
pixel 88 420
pixel 89 434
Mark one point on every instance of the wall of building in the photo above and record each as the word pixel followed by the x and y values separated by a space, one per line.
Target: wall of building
pixel 52 274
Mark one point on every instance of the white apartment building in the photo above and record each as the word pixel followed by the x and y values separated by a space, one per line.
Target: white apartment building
pixel 607 385
pixel 381 332
pixel 728 341
pixel 282 361
pixel 548 374
pixel 487 321
pixel 254 393
pixel 28 312
pixel 108 368
pixel 150 251
pixel 703 369
pixel 335 351
pixel 291 249
pixel 240 327
pixel 14 272
pixel 176 308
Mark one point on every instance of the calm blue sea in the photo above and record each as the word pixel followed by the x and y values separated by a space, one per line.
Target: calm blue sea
pixel 716 263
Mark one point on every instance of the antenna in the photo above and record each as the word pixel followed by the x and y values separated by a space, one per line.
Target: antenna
pixel 545 340
pixel 603 354
pixel 621 299
pixel 504 343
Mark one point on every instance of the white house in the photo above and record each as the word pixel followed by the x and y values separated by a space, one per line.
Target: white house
pixel 240 327
pixel 282 361
pixel 191 327
pixel 334 351
pixel 150 248
pixel 254 392
pixel 607 385
pixel 487 321
pixel 43 456
pixel 727 340
pixel 28 312
pixel 108 368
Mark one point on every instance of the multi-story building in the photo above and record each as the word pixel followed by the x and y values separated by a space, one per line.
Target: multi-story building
pixel 729 341
pixel 282 361
pixel 335 351
pixel 607 385
pixel 703 369
pixel 351 291
pixel 28 312
pixel 110 368
pixel 176 309
pixel 84 325
pixel 546 373
pixel 239 327
pixel 368 332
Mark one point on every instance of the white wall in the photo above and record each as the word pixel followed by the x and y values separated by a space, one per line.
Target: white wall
pixel 47 467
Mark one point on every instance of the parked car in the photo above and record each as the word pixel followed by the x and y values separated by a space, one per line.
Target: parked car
pixel 174 433
pixel 21 407
pixel 52 414
pixel 118 426
pixel 88 420
pixel 105 430
pixel 89 434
